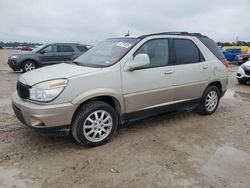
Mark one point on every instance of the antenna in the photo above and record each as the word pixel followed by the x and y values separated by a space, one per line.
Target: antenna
pixel 127 34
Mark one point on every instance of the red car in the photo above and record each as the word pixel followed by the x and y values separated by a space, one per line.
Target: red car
pixel 26 48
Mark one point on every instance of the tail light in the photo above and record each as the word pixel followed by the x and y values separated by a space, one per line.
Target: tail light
pixel 225 62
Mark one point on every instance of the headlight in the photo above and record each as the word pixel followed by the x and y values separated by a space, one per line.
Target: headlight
pixel 47 91
pixel 243 66
pixel 13 57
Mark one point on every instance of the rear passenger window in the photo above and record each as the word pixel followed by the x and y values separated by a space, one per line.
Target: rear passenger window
pixel 212 46
pixel 187 52
pixel 158 52
pixel 64 48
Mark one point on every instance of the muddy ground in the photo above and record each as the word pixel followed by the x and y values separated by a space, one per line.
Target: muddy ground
pixel 181 150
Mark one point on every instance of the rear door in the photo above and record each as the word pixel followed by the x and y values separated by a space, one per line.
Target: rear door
pixel 191 70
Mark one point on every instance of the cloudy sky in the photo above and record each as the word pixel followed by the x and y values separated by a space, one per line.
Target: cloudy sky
pixel 94 20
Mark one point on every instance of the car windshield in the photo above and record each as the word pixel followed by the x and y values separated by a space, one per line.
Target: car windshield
pixel 36 49
pixel 107 52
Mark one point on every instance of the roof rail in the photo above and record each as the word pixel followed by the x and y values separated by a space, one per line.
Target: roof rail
pixel 173 33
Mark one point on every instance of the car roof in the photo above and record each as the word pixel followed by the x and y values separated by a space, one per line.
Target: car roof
pixel 173 33
pixel 162 33
pixel 60 43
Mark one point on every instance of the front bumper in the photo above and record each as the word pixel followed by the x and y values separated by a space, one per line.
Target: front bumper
pixel 14 64
pixel 42 115
pixel 241 74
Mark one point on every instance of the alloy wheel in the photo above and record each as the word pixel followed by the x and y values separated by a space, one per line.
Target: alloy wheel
pixel 211 101
pixel 97 126
pixel 29 66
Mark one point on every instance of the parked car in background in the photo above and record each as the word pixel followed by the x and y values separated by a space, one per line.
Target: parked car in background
pixel 244 49
pixel 46 55
pixel 243 73
pixel 26 48
pixel 242 58
pixel 231 53
pixel 121 80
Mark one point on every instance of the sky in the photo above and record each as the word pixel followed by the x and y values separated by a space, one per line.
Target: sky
pixel 92 21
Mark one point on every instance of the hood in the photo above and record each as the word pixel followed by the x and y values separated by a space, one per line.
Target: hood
pixel 247 64
pixel 22 53
pixel 62 70
pixel 26 53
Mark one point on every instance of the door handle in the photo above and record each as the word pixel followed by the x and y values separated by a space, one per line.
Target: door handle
pixel 168 72
pixel 205 67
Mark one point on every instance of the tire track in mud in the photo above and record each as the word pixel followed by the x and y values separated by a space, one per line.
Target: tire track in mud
pixel 11 129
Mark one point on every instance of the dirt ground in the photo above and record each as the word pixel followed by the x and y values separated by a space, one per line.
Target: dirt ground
pixel 181 150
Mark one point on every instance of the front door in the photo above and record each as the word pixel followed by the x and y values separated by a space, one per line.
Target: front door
pixel 48 55
pixel 149 86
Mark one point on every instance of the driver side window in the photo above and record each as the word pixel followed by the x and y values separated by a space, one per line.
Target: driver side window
pixel 157 51
pixel 50 49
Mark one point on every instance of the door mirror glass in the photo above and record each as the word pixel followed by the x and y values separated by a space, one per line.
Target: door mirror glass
pixel 139 61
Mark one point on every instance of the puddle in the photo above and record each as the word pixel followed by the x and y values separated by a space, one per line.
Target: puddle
pixel 228 166
pixel 237 95
pixel 10 178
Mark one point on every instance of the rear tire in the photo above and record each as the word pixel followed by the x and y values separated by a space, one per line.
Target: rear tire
pixel 242 81
pixel 210 101
pixel 94 123
pixel 28 66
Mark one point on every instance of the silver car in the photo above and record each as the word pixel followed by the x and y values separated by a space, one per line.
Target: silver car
pixel 121 80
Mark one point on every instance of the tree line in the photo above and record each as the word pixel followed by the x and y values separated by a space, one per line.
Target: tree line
pixel 29 44
pixel 238 43
pixel 17 44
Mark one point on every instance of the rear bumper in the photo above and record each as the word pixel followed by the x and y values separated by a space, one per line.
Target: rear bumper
pixel 42 116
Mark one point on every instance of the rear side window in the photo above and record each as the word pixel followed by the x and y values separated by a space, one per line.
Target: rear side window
pixel 65 48
pixel 82 48
pixel 186 52
pixel 212 46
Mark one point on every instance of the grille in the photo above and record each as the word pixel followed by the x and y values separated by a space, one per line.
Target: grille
pixel 247 71
pixel 23 90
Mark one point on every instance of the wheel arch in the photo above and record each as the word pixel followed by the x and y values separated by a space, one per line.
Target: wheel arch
pixel 109 99
pixel 217 84
pixel 29 59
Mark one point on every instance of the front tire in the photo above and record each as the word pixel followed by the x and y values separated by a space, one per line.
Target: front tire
pixel 29 66
pixel 94 123
pixel 210 101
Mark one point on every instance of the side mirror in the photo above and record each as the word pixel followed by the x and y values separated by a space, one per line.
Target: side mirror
pixel 140 60
pixel 42 52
